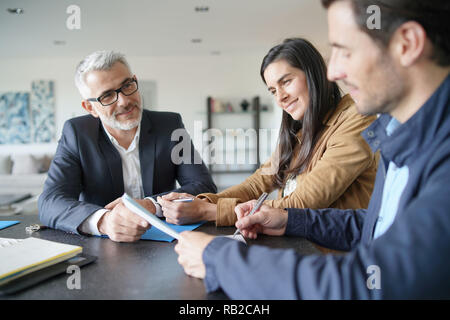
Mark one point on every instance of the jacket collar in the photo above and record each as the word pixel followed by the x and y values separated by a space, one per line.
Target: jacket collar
pixel 333 115
pixel 429 123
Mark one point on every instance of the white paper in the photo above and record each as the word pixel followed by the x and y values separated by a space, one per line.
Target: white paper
pixel 238 237
pixel 151 218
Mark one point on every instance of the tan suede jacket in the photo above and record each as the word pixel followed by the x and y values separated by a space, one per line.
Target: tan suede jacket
pixel 340 174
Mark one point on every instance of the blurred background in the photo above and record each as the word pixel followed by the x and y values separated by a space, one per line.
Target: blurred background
pixel 182 52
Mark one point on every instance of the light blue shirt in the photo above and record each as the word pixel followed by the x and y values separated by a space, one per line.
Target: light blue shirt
pixel 395 183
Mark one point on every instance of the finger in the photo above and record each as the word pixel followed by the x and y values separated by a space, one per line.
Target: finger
pixel 133 231
pixel 244 208
pixel 240 210
pixel 168 220
pixel 123 237
pixel 249 232
pixel 176 195
pixel 171 215
pixel 170 196
pixel 129 218
pixel 112 204
pixel 166 204
pixel 249 221
pixel 185 195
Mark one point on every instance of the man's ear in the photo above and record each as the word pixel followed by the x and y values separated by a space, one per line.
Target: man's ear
pixel 89 108
pixel 408 43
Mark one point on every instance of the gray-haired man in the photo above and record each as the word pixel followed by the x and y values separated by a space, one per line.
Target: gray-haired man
pixel 118 148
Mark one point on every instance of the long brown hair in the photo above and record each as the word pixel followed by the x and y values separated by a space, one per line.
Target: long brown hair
pixel 323 97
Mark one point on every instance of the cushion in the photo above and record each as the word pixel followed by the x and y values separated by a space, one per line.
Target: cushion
pixel 45 162
pixel 5 164
pixel 25 164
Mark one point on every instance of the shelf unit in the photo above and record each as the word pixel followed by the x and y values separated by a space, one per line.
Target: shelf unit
pixel 254 111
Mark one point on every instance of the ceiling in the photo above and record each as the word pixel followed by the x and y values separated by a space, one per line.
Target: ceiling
pixel 157 27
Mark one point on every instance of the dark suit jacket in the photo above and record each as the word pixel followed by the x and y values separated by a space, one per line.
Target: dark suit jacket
pixel 86 172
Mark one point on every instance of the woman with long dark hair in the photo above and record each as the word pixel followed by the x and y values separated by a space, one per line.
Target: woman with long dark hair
pixel 321 159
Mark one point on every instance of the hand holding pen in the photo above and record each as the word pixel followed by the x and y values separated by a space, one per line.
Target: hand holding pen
pixel 182 208
pixel 266 220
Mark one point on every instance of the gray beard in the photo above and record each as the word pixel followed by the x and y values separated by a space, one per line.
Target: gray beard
pixel 113 123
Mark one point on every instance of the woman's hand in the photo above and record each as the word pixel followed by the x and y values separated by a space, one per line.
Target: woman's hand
pixel 186 212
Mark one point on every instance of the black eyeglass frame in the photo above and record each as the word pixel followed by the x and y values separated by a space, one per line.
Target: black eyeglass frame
pixel 117 91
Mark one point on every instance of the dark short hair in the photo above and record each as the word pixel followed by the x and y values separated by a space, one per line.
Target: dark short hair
pixel 433 15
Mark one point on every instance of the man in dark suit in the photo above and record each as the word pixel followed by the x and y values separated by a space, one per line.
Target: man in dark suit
pixel 118 148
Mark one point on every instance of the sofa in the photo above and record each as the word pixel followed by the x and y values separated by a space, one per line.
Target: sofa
pixel 23 173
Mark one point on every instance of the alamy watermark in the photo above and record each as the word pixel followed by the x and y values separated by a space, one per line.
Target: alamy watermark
pixel 74 281
pixel 226 147
pixel 73 21
pixel 374 20
pixel 374 279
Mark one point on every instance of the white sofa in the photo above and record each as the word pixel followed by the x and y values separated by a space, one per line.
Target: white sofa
pixel 23 169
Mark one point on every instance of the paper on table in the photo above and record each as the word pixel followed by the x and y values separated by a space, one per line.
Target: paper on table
pixel 238 237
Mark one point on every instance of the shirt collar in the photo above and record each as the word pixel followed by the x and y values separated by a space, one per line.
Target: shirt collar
pixel 410 138
pixel 133 144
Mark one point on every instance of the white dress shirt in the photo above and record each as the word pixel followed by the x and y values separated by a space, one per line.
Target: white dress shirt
pixel 132 180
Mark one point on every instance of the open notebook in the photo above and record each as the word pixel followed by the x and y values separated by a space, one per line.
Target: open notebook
pixel 21 257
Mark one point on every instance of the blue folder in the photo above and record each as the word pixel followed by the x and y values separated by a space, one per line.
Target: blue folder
pixel 6 224
pixel 157 235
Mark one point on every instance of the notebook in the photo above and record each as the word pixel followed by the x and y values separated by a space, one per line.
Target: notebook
pixel 21 257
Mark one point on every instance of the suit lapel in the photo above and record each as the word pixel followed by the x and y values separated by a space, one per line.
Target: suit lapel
pixel 147 147
pixel 112 159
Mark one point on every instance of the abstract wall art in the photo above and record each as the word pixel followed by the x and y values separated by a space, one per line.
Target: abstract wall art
pixel 28 117
pixel 15 120
pixel 42 103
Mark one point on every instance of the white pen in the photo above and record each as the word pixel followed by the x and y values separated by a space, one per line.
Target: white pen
pixel 258 204
pixel 183 200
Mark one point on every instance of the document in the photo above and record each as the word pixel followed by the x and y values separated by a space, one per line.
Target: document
pixel 160 230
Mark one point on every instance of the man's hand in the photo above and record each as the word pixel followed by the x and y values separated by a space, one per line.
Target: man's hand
pixel 121 224
pixel 266 220
pixel 186 212
pixel 146 203
pixel 190 247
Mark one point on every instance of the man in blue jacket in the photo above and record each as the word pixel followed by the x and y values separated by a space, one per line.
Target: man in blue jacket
pixel 399 247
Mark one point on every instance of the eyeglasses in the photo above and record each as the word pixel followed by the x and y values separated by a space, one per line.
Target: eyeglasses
pixel 108 98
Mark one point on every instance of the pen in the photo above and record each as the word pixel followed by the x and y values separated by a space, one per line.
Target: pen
pixel 183 200
pixel 261 199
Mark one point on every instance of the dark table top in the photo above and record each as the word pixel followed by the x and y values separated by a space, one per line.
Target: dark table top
pixel 139 270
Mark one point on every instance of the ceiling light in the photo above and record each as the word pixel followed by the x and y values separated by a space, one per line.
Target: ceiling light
pixel 15 10
pixel 196 40
pixel 201 9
